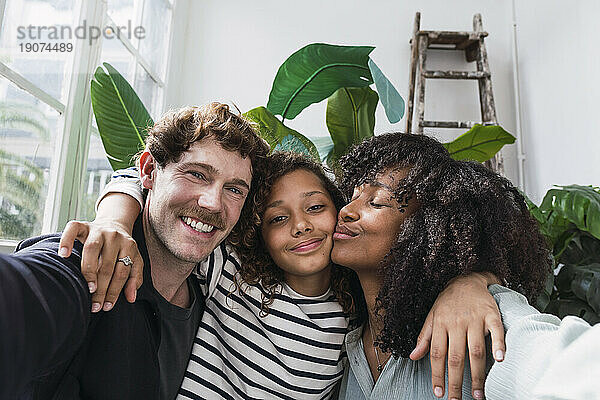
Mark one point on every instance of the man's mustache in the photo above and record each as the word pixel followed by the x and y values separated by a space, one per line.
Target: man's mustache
pixel 214 219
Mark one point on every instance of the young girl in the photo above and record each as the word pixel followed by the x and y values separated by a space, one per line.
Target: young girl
pixel 274 327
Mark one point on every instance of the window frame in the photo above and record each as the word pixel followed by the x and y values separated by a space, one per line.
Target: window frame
pixel 69 165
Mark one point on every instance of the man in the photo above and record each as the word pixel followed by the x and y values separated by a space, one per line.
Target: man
pixel 198 169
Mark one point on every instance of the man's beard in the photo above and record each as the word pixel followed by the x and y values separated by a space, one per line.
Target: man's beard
pixel 162 238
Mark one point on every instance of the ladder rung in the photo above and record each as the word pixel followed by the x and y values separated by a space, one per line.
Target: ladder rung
pixel 456 74
pixel 448 124
pixel 460 39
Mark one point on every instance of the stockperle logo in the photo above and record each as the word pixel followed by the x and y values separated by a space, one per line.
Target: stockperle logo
pixel 83 31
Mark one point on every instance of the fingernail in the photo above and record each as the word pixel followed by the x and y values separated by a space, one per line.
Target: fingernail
pixel 107 306
pixel 92 287
pixel 95 307
pixel 62 252
pixel 499 355
pixel 134 295
pixel 454 398
pixel 478 394
pixel 438 391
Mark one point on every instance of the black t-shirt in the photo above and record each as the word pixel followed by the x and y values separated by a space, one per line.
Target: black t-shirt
pixel 178 326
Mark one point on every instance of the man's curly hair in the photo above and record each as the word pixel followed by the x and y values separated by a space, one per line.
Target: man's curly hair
pixel 257 264
pixel 469 219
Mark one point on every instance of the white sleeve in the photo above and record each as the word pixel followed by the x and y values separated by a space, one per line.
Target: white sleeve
pixel 124 181
pixel 546 358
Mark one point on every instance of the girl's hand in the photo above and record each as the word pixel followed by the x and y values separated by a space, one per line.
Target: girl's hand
pixel 104 242
pixel 463 313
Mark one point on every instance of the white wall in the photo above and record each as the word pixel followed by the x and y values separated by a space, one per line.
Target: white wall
pixel 559 62
pixel 230 51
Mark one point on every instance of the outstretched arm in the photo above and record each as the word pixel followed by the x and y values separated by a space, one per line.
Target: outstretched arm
pixel 465 312
pixel 547 358
pixel 44 312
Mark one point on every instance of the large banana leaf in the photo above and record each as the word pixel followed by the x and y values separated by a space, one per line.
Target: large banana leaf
pixel 323 144
pixel 293 144
pixel 121 116
pixel 314 73
pixel 391 100
pixel 577 204
pixel 480 143
pixel 279 136
pixel 350 118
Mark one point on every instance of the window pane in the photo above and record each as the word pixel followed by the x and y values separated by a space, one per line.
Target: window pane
pixel 97 175
pixel 148 91
pixel 156 23
pixel 28 129
pixel 122 11
pixel 117 55
pixel 30 24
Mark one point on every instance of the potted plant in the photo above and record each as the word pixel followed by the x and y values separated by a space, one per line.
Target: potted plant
pixel 569 218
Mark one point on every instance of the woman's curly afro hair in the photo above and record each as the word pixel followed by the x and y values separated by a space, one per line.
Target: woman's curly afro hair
pixel 469 219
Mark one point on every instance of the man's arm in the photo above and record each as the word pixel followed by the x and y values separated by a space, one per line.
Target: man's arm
pixel 44 312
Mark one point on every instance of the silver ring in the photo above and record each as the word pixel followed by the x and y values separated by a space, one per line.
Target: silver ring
pixel 126 260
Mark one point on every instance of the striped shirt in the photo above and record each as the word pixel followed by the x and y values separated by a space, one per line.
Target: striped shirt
pixel 293 352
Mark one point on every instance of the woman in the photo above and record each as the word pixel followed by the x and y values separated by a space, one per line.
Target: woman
pixel 418 219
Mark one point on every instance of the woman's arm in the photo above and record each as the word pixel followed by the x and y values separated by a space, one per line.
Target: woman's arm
pixel 108 238
pixel 463 313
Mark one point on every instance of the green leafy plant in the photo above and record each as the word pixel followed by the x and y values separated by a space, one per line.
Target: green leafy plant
pixel 314 73
pixel 275 132
pixel 121 116
pixel 479 143
pixel 569 218
pixel 342 75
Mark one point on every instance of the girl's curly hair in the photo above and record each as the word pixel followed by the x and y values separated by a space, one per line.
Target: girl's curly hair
pixel 256 263
pixel 469 219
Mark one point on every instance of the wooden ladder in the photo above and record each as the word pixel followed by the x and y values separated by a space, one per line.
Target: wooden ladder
pixel 472 43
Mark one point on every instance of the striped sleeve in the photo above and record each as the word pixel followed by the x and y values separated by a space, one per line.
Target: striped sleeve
pixel 295 351
pixel 124 181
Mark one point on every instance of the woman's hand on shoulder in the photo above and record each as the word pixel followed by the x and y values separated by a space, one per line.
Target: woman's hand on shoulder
pixel 104 243
pixel 464 312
